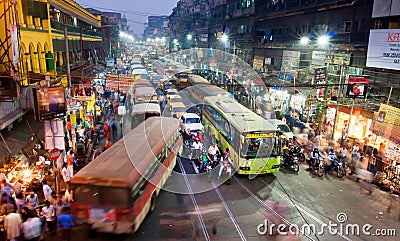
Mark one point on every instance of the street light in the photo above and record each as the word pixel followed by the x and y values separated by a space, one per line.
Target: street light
pixel 224 38
pixel 304 40
pixel 323 41
pixel 189 37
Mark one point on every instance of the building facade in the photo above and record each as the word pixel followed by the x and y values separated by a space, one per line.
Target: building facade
pixel 34 36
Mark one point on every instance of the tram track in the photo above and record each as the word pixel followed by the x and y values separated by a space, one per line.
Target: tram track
pixel 196 206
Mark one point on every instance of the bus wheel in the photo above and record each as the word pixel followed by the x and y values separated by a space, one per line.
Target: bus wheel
pixel 153 202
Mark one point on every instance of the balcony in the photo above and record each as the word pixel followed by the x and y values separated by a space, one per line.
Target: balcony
pixel 243 12
pixel 73 29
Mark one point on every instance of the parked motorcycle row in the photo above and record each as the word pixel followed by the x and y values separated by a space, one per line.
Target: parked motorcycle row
pixel 318 164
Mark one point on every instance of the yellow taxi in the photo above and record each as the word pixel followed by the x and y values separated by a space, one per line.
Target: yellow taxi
pixel 170 92
pixel 177 109
pixel 172 99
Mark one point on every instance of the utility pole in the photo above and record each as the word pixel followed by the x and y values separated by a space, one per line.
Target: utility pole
pixel 338 100
pixel 67 57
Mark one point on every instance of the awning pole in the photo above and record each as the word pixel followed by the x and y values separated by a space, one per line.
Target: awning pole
pixel 34 134
pixel 5 143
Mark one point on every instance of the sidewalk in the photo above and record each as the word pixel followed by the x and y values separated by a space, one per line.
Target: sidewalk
pixel 373 192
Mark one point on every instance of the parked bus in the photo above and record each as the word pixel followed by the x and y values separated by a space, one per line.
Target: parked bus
pixel 116 191
pixel 253 142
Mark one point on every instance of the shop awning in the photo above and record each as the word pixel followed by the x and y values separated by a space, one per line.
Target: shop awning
pixel 20 135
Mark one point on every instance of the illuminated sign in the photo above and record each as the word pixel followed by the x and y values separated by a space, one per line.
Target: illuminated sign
pixel 261 135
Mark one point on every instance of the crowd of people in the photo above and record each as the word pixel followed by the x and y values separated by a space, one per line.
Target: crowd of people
pixel 35 215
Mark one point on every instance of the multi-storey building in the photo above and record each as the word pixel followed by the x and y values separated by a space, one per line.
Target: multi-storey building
pixel 113 23
pixel 157 27
pixel 34 36
pixel 271 31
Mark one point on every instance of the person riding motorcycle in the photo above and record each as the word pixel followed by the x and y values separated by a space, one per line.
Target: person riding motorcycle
pixel 332 159
pixel 225 162
pixel 314 157
pixel 197 146
pixel 204 160
pixel 213 152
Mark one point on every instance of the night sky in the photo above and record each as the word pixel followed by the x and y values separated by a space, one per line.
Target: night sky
pixel 136 11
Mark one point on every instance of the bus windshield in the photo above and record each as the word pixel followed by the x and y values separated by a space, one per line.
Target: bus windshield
pixel 260 147
pixel 102 196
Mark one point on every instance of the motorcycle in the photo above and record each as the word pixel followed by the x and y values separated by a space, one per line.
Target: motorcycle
pixel 207 169
pixel 291 162
pixel 317 165
pixel 227 170
pixel 298 150
pixel 337 167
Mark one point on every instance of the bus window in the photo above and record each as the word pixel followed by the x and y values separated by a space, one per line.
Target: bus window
pixel 101 196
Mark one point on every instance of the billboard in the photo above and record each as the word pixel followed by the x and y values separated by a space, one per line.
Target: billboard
pixel 384 49
pixel 49 102
pixel 357 86
pixel 387 124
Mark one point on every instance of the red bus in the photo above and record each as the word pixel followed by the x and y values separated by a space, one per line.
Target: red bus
pixel 116 191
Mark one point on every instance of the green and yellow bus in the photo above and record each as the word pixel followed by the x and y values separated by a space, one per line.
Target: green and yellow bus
pixel 253 142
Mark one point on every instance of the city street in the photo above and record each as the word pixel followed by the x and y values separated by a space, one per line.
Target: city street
pixel 235 211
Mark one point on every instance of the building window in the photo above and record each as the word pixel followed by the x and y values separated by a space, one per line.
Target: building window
pixel 378 24
pixel 347 27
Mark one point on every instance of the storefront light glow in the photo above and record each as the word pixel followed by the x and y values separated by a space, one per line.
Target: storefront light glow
pixel 26 175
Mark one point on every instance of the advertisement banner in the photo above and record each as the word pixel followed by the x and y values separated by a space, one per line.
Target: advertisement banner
pixel 14 43
pixel 290 64
pixel 318 58
pixel 387 124
pixel 54 134
pixel 384 49
pixel 110 62
pixel 258 62
pixel 50 102
pixel 357 86
pixel 320 75
pixel 338 59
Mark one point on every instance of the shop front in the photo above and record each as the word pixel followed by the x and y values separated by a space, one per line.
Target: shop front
pixel 358 122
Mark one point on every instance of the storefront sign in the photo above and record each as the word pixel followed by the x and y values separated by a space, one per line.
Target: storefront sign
pixel 320 75
pixel 110 62
pixel 258 62
pixel 290 64
pixel 54 154
pixel 387 123
pixel 338 59
pixel 318 58
pixel 357 86
pixel 384 49
pixel 72 117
